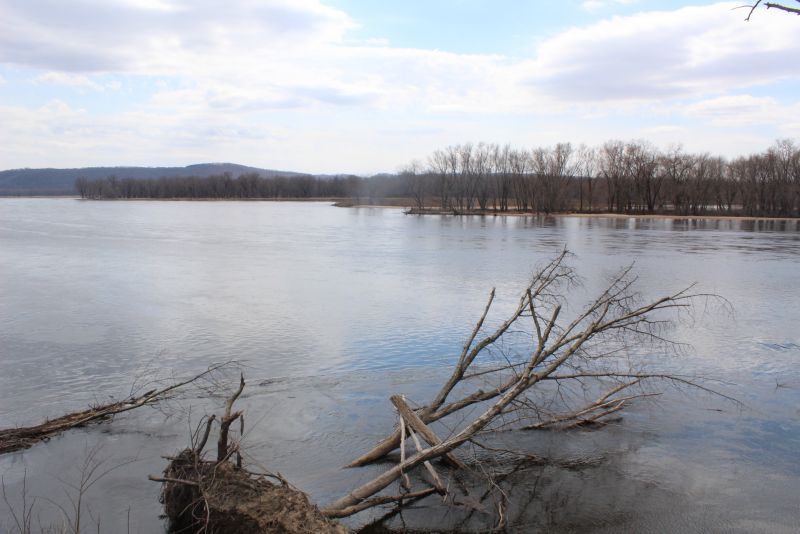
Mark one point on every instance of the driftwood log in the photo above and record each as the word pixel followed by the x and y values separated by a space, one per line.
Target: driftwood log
pixel 13 439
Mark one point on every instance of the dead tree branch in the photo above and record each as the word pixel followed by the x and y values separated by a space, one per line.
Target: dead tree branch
pixel 772 5
pixel 377 501
pixel 416 424
pixel 544 285
pixel 12 439
pixel 223 451
pixel 585 352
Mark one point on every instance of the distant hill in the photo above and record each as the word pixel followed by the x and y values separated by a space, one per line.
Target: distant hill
pixel 62 181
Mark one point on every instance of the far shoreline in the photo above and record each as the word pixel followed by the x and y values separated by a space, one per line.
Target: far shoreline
pixel 586 215
pixel 397 203
pixel 608 215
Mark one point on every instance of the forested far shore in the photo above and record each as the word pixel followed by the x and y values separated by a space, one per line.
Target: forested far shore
pixel 227 186
pixel 616 177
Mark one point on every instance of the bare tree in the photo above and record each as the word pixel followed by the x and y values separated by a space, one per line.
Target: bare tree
pixel 586 169
pixel 560 168
pixel 640 163
pixel 587 355
pixel 416 182
pixel 481 174
pixel 612 169
pixel 675 167
pixel 439 164
pixel 700 182
pixel 520 163
pixel 467 180
pixel 502 172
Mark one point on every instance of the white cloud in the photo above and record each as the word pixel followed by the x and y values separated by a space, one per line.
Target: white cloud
pixel 279 80
pixel 57 109
pixel 652 56
pixel 746 111
pixel 275 54
pixel 280 54
pixel 597 5
pixel 669 129
pixel 158 5
pixel 71 80
pixel 733 108
pixel 139 35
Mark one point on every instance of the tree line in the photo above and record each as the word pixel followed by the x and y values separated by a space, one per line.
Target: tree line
pixel 618 177
pixel 222 186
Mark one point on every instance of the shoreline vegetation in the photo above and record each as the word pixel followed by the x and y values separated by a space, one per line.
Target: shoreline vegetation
pixel 625 178
pixel 513 212
pixel 598 214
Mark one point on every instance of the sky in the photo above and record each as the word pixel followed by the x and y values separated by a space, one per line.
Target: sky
pixel 365 86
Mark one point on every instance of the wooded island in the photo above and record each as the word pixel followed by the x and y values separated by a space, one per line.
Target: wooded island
pixel 617 177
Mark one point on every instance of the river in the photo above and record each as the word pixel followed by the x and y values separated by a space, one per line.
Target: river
pixel 332 310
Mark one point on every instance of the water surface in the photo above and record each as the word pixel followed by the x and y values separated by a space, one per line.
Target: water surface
pixel 333 310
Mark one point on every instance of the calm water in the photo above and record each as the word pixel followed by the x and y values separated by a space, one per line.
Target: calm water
pixel 333 310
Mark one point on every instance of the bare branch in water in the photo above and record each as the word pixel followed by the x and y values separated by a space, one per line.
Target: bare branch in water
pixel 591 352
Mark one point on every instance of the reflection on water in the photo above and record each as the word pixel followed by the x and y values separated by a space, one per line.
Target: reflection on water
pixel 335 309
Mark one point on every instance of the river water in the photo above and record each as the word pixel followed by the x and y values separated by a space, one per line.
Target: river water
pixel 332 310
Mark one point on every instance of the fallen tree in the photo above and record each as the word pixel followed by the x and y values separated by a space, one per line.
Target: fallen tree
pixel 563 364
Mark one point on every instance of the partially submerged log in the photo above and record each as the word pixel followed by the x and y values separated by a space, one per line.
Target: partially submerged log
pixel 14 439
pixel 410 418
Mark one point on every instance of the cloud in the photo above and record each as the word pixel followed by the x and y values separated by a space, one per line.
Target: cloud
pixel 282 54
pixel 158 5
pixel 71 80
pixel 745 110
pixel 597 5
pixel 136 35
pixel 276 78
pixel 657 55
pixel 67 134
pixel 274 54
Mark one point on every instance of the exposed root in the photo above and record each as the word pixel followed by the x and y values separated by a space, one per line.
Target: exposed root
pixel 211 497
pixel 220 496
